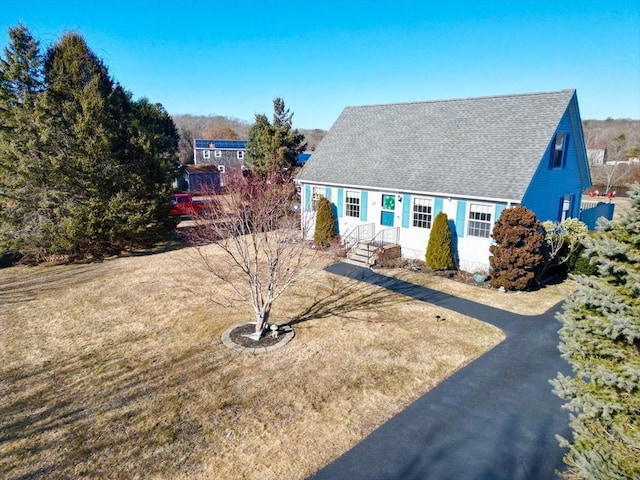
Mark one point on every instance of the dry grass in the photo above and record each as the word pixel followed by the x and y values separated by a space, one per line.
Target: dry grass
pixel 116 370
pixel 524 303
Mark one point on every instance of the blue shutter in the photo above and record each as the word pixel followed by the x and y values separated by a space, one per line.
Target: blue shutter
pixel 565 149
pixel 307 198
pixel 406 211
pixel 499 208
pixel 560 209
pixel 340 202
pixel 327 193
pixel 363 205
pixel 461 218
pixel 437 207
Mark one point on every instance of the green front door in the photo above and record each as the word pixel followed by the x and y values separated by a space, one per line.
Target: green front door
pixel 388 210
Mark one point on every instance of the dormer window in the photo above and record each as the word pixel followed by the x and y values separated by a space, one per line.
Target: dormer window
pixel 558 152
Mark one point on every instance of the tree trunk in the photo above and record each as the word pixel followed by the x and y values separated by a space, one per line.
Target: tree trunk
pixel 262 318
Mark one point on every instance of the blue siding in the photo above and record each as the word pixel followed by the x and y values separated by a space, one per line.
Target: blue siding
pixel 437 206
pixel 364 200
pixel 340 202
pixel 307 198
pixel 406 211
pixel 548 186
pixel 461 217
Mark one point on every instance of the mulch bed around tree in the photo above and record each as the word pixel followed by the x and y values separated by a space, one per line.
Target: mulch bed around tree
pixel 267 340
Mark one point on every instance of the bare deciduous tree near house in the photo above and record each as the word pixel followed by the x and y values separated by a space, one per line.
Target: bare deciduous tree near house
pixel 250 239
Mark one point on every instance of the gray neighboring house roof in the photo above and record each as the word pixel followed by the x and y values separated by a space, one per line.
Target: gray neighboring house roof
pixel 488 147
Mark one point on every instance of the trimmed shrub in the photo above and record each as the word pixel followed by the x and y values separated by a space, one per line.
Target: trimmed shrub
pixel 517 252
pixel 325 230
pixel 439 254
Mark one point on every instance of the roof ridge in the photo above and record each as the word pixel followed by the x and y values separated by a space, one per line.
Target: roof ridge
pixel 447 100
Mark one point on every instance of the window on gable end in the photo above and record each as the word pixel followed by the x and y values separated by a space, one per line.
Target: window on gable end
pixel 558 152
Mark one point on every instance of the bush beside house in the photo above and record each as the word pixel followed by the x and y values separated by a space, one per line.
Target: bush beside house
pixel 516 254
pixel 439 254
pixel 325 230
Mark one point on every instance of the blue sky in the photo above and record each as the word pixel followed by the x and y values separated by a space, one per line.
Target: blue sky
pixel 233 57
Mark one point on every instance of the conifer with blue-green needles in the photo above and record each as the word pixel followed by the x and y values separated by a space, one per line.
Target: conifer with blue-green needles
pixel 600 337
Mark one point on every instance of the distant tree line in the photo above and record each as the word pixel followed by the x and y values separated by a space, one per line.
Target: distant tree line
pixel 85 170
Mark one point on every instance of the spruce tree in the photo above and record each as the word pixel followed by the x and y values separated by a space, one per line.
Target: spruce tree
pixel 517 251
pixel 83 169
pixel 274 145
pixel 325 229
pixel 439 254
pixel 26 196
pixel 600 337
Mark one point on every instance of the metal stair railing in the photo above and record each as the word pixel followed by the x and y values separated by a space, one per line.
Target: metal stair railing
pixel 359 233
pixel 388 236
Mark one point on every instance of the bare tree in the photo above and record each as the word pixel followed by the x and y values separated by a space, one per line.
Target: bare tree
pixel 255 243
pixel 617 170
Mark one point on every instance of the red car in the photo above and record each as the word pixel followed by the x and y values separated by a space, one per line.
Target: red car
pixel 183 205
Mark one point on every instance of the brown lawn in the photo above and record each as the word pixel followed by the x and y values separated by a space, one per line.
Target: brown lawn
pixel 116 370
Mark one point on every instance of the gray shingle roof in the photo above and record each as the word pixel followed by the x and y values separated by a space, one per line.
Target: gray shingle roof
pixel 485 147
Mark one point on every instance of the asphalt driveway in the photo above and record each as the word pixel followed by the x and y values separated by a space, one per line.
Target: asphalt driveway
pixel 496 419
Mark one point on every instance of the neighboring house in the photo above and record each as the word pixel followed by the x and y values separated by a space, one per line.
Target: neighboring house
pixel 199 179
pixel 226 155
pixel 597 154
pixel 390 169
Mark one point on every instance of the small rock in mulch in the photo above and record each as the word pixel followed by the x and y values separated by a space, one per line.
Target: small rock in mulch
pixel 267 339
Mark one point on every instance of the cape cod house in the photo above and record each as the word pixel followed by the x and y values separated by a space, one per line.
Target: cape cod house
pixel 226 155
pixel 390 169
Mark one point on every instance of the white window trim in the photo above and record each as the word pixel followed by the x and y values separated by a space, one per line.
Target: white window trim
pixel 240 154
pixel 221 168
pixel 316 193
pixel 491 209
pixel 217 153
pixel 206 154
pixel 355 194
pixel 413 212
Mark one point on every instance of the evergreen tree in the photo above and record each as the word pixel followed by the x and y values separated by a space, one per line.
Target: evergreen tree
pixel 325 229
pixel 84 169
pixel 274 145
pixel 26 198
pixel 600 337
pixel 517 252
pixel 439 254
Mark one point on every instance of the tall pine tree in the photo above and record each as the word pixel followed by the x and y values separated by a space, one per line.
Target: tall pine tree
pixel 83 169
pixel 26 196
pixel 274 145
pixel 600 337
